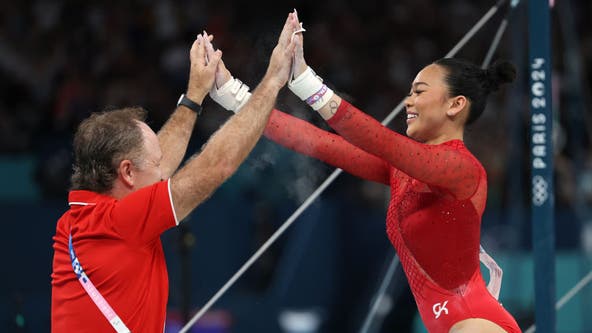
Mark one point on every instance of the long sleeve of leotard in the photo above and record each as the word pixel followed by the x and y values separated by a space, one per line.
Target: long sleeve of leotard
pixel 442 166
pixel 305 138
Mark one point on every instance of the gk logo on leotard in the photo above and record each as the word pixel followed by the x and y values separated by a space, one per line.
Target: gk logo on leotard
pixel 438 308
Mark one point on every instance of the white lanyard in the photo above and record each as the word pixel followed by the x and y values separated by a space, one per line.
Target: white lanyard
pixel 94 294
pixel 495 273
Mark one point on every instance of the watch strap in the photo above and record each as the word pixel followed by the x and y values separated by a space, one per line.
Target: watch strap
pixel 185 101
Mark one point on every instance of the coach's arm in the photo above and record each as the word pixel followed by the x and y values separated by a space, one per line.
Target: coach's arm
pixel 231 144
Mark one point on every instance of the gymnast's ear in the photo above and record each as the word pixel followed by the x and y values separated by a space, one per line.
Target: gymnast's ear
pixel 456 104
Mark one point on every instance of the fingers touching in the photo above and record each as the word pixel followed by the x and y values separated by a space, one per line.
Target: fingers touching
pixel 222 73
pixel 197 53
pixel 297 25
pixel 208 44
pixel 205 58
pixel 204 62
pixel 287 30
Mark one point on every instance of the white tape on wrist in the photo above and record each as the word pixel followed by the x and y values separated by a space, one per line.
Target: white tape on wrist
pixel 306 84
pixel 232 95
pixel 309 87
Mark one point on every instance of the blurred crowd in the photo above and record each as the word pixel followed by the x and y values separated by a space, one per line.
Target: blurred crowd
pixel 61 60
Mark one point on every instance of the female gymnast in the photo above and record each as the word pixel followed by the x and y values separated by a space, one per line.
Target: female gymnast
pixel 438 188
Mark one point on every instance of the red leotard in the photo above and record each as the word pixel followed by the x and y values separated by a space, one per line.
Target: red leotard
pixel 438 195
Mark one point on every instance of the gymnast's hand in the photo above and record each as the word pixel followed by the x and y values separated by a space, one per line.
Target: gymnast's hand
pixel 227 91
pixel 222 73
pixel 299 62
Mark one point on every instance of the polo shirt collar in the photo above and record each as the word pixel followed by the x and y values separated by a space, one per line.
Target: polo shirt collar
pixel 86 198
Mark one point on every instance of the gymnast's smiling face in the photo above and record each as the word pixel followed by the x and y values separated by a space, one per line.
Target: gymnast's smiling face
pixel 428 107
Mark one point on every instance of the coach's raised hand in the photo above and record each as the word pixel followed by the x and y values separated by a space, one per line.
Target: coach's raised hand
pixel 233 94
pixel 232 143
pixel 202 72
pixel 299 62
pixel 229 92
pixel 280 63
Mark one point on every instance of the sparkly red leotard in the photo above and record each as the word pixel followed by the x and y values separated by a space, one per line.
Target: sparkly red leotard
pixel 438 195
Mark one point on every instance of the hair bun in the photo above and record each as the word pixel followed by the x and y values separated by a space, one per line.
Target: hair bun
pixel 500 72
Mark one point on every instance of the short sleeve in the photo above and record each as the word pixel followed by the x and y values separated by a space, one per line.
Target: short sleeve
pixel 145 214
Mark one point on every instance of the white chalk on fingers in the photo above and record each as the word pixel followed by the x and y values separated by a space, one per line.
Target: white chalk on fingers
pixel 301 29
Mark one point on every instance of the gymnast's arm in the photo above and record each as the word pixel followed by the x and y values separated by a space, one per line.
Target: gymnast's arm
pixel 437 165
pixel 299 135
pixel 305 138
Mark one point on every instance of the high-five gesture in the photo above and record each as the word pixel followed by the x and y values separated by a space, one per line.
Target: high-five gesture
pixel 280 63
pixel 231 93
pixel 203 69
pixel 231 144
pixel 222 73
pixel 299 62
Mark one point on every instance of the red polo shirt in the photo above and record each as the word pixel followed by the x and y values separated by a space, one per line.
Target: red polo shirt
pixel 118 245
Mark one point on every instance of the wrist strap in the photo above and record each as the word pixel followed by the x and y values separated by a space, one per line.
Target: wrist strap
pixel 185 101
pixel 232 96
pixel 306 84
pixel 309 87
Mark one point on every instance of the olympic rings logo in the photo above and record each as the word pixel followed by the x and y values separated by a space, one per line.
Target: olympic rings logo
pixel 540 191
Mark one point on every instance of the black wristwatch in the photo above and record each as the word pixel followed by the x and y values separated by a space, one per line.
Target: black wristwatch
pixel 183 100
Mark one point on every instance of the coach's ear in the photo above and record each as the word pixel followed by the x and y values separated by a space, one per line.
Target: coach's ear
pixel 126 173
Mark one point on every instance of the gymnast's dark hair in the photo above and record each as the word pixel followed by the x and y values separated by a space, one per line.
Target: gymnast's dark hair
pixel 467 79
